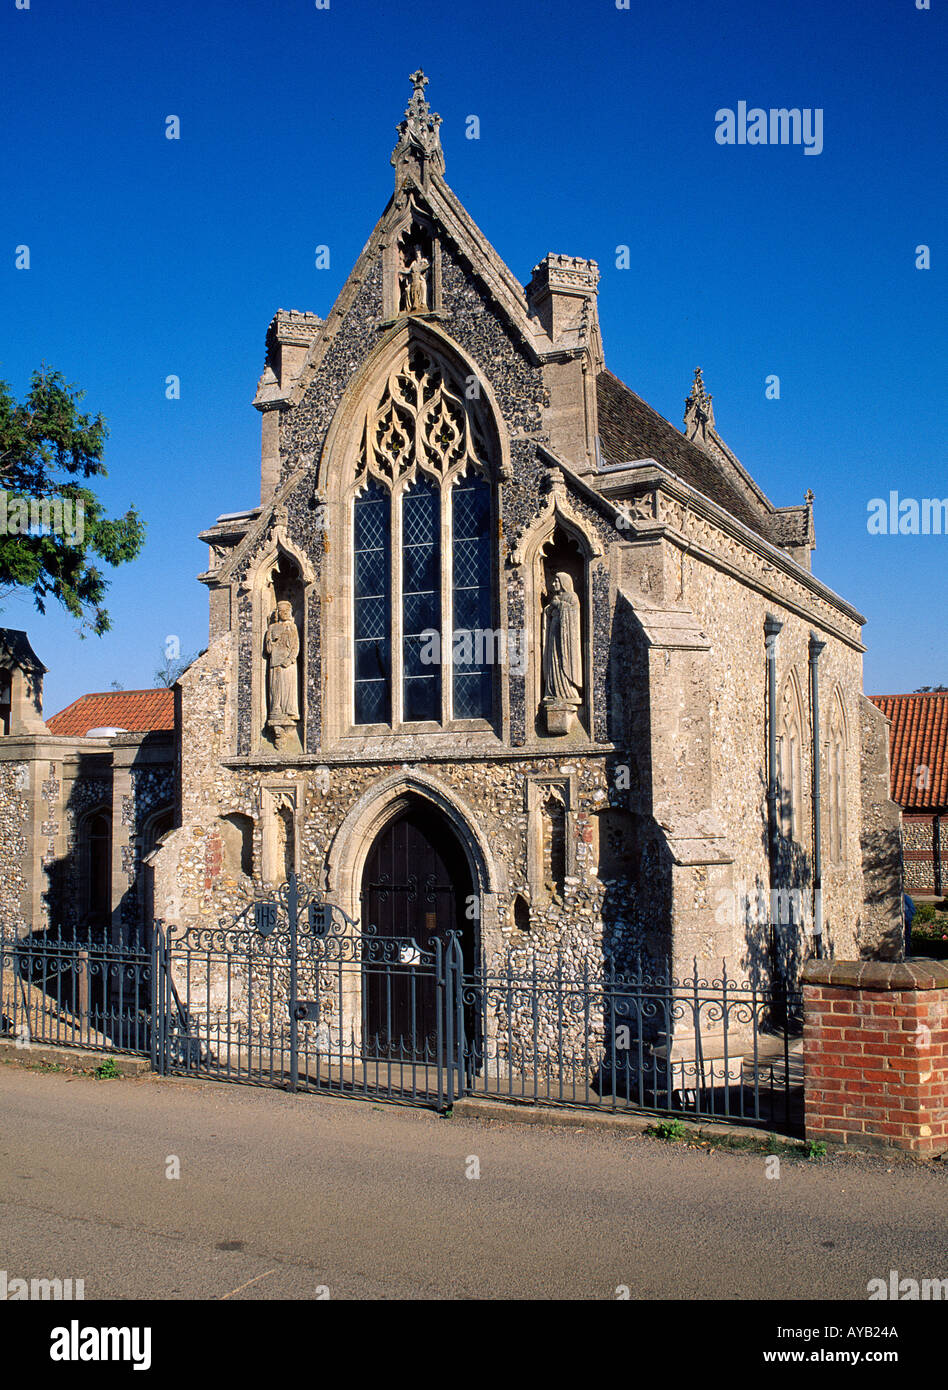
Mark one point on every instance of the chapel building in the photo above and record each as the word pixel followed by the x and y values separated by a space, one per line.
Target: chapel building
pixel 503 652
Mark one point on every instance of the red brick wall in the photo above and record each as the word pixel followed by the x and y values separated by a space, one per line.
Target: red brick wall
pixel 875 1050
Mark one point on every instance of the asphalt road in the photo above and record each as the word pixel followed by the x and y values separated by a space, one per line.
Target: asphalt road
pixel 280 1196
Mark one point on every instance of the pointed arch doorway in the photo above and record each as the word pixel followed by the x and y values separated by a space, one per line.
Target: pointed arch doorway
pixel 416 890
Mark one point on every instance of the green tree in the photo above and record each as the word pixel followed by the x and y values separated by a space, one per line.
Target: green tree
pixel 47 448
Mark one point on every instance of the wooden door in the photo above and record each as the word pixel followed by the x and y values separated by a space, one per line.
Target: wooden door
pixel 415 888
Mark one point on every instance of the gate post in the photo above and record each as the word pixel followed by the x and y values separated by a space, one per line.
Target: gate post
pixel 82 980
pixel 292 907
pixel 441 1012
pixel 159 1012
pixel 455 1002
pixel 449 1041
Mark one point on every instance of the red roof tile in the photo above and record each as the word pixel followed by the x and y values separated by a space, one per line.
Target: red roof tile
pixel 918 749
pixel 135 710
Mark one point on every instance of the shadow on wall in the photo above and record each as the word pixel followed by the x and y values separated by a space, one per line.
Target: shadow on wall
pixel 881 864
pixel 635 864
pixel 78 897
pixel 776 942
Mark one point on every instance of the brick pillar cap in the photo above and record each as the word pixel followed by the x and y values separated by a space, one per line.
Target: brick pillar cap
pixel 918 972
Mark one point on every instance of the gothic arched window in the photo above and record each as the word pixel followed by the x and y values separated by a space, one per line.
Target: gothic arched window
pixel 790 763
pixel 424 643
pixel 836 781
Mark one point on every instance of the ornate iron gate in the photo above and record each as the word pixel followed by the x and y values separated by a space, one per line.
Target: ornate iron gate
pixel 294 993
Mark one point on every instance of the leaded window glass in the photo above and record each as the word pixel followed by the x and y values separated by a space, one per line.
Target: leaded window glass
pixel 373 606
pixel 423 467
pixel 473 645
pixel 421 602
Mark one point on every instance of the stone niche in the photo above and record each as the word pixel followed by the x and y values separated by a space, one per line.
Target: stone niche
pixel 279 815
pixel 236 831
pixel 412 267
pixel 550 804
pixel 561 554
pixel 280 726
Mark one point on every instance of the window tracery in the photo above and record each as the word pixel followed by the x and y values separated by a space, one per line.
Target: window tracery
pixel 423 593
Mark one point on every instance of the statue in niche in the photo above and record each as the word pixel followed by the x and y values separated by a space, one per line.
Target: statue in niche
pixel 562 656
pixel 282 648
pixel 415 290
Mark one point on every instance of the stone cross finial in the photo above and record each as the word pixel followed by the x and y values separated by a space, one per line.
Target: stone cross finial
pixel 419 141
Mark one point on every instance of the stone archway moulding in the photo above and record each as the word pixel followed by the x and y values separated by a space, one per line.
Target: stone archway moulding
pixel 556 509
pixel 355 836
pixel 332 477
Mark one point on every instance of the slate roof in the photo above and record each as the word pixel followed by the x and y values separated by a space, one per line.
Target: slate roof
pixel 15 650
pixel 631 429
pixel 918 737
pixel 138 711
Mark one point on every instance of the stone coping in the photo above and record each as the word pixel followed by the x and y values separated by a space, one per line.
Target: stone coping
pixel 918 972
pixel 398 755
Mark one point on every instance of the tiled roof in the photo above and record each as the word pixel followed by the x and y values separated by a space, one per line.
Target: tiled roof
pixel 631 429
pixel 135 710
pixel 918 739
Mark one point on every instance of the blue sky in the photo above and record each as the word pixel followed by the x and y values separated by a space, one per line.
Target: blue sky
pixel 152 257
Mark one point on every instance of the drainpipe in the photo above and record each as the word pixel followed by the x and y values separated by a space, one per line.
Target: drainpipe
pixel 816 646
pixel 771 630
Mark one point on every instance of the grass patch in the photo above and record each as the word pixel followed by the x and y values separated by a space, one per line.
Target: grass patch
pixel 107 1070
pixel 676 1131
pixel 672 1130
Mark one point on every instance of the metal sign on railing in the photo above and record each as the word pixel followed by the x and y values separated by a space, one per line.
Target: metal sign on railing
pixel 265 918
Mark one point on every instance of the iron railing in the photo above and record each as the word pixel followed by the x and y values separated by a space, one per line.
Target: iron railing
pixel 292 993
pixel 85 991
pixel 590 1035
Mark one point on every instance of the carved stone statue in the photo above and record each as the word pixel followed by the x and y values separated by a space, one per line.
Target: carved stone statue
pixel 416 286
pixel 562 655
pixel 282 648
